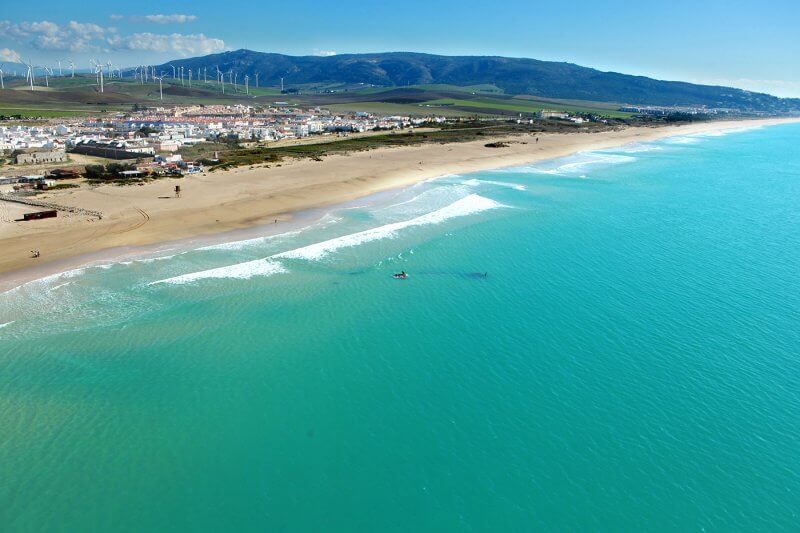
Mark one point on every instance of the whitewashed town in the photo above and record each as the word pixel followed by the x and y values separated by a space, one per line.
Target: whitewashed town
pixel 153 138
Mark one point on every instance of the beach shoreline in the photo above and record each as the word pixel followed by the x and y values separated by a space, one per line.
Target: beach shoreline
pixel 147 219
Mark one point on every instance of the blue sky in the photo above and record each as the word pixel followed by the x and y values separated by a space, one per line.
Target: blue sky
pixel 744 43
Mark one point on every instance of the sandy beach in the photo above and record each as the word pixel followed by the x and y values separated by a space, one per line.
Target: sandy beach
pixel 223 201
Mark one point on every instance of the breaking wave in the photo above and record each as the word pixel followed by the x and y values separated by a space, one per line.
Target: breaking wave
pixel 466 206
pixel 269 266
pixel 573 165
pixel 259 267
pixel 474 183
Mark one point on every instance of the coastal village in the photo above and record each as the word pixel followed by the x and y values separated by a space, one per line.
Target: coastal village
pixel 151 140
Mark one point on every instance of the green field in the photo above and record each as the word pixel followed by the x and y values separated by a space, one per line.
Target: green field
pixel 81 95
pixel 388 108
pixel 471 89
pixel 517 105
pixel 33 112
pixel 67 97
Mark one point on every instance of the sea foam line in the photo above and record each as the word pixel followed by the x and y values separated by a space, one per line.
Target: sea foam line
pixel 269 266
pixel 239 245
pixel 474 183
pixel 573 164
pixel 258 267
pixel 465 206
pixel 67 274
pixel 594 158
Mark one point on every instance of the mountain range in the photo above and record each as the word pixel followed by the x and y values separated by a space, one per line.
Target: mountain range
pixel 518 76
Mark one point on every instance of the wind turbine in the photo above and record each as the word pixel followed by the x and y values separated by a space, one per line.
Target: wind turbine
pixel 246 84
pixel 173 71
pixel 30 75
pixel 205 75
pixel 190 77
pixel 257 75
pixel 47 72
pixel 181 69
pixel 160 89
pixel 60 74
pixel 2 85
pixel 72 66
pixel 98 70
pixel 221 79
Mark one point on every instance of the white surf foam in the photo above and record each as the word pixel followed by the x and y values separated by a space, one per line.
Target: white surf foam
pixel 637 148
pixel 574 164
pixel 399 204
pixel 722 133
pixel 149 259
pixel 465 206
pixel 695 138
pixel 681 139
pixel 593 158
pixel 44 281
pixel 245 243
pixel 258 267
pixel 269 266
pixel 475 183
pixel 7 324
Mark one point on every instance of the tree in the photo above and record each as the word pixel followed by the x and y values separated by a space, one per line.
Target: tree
pixel 116 169
pixel 94 172
pixel 147 130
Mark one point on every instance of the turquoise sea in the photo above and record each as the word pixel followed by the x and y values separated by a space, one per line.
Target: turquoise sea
pixel 605 342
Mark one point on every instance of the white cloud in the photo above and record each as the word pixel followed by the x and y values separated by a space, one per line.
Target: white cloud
pixel 324 53
pixel 185 45
pixel 175 18
pixel 170 19
pixel 82 37
pixel 6 54
pixel 45 35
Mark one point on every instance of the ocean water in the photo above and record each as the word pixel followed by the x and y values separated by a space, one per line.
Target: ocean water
pixel 605 342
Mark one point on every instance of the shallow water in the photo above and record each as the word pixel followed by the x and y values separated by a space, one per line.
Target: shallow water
pixel 606 341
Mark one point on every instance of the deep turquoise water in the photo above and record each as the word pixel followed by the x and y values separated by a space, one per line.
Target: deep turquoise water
pixel 630 362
